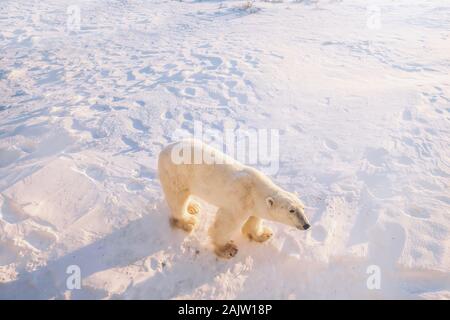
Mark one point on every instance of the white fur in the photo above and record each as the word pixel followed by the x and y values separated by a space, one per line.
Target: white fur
pixel 243 194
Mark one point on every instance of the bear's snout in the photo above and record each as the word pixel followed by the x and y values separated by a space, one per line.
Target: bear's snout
pixel 306 226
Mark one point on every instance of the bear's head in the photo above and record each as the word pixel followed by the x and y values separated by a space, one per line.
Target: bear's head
pixel 286 208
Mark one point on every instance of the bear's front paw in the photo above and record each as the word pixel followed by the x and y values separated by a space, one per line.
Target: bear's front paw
pixel 193 208
pixel 227 251
pixel 263 236
pixel 186 224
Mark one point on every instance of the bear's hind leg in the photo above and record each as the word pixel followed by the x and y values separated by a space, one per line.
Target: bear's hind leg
pixel 177 201
pixel 255 230
pixel 222 231
pixel 177 194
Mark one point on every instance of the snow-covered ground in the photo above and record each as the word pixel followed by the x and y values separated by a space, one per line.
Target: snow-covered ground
pixel 360 94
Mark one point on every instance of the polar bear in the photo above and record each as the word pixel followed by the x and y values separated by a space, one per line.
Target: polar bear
pixel 243 194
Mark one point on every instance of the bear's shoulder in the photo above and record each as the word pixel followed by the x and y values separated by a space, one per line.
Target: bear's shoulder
pixel 243 175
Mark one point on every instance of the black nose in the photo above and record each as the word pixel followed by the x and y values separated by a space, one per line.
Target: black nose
pixel 306 226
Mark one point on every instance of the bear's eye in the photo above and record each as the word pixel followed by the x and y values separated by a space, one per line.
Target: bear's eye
pixel 292 211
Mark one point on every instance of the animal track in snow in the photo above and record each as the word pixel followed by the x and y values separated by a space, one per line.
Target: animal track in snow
pixel 133 145
pixel 211 62
pixel 101 107
pixel 146 173
pixel 96 173
pixel 134 186
pixel 90 127
pixel 40 239
pixel 138 125
pixel 417 212
pixel 190 91
pixel 377 157
pixel 11 211
pixel 167 115
pixel 330 144
pixel 407 116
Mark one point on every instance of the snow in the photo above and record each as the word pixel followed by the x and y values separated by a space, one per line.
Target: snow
pixel 363 112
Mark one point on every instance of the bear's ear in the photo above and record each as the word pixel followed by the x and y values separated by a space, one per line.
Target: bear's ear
pixel 270 202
